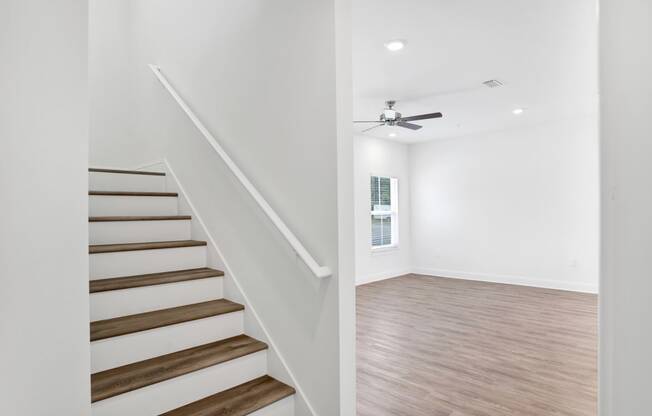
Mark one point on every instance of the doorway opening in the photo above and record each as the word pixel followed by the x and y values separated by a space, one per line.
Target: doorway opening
pixel 477 207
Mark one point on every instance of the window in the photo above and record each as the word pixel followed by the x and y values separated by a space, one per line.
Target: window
pixel 384 212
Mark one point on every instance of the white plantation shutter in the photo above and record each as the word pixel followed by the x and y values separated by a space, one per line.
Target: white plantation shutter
pixel 384 227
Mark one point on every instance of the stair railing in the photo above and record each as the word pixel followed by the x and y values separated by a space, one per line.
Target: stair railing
pixel 300 250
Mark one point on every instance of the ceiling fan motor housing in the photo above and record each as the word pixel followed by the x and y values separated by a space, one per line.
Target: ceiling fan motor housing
pixel 390 115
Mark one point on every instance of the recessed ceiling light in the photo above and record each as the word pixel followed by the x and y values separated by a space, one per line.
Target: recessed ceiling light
pixel 392 134
pixel 518 111
pixel 395 45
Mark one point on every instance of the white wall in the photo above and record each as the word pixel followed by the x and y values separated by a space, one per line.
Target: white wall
pixel 346 205
pixel 264 82
pixel 380 157
pixel 517 206
pixel 43 194
pixel 626 137
pixel 109 61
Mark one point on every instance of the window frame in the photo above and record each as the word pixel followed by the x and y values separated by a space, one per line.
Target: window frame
pixel 393 213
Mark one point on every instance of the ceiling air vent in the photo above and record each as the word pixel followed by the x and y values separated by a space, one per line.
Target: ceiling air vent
pixel 493 83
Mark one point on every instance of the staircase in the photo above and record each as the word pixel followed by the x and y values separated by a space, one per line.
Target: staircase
pixel 163 338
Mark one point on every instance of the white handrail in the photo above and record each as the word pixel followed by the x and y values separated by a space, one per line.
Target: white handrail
pixel 319 271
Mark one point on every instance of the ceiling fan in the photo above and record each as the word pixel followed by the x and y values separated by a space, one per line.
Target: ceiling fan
pixel 391 117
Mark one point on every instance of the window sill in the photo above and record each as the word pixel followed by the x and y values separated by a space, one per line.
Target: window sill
pixel 384 249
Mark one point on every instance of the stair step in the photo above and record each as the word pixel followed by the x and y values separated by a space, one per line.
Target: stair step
pixel 152 279
pixel 117 351
pixel 125 201
pixel 138 229
pixel 129 263
pixel 238 401
pixel 129 172
pixel 132 193
pixel 124 218
pixel 114 248
pixel 130 377
pixel 123 325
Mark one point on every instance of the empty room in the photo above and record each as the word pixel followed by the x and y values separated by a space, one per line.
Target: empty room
pixel 476 207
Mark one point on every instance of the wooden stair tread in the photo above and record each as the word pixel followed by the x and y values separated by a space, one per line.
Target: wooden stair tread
pixel 152 279
pixel 123 325
pixel 131 193
pixel 129 172
pixel 140 218
pixel 238 401
pixel 156 245
pixel 133 376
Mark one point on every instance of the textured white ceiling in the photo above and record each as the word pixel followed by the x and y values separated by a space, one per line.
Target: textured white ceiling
pixel 544 51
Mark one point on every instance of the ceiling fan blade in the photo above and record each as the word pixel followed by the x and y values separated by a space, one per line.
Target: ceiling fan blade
pixel 375 121
pixel 408 125
pixel 371 128
pixel 422 117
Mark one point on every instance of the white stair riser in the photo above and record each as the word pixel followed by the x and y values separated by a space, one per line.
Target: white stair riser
pixel 128 263
pixel 111 232
pixel 115 303
pixel 102 181
pixel 283 407
pixel 125 349
pixel 109 205
pixel 176 392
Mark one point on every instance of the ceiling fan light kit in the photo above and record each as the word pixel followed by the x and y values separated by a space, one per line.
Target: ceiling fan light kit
pixel 395 45
pixel 391 117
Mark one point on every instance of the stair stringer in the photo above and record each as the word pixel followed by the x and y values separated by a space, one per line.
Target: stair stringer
pixel 276 365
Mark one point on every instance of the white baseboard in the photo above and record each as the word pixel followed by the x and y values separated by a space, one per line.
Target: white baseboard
pixel 375 277
pixel 510 280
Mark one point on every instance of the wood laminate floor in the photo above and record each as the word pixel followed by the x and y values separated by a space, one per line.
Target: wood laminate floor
pixel 430 346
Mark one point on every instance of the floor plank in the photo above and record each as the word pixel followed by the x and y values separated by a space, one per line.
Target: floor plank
pixel 130 218
pixel 155 245
pixel 152 279
pixel 134 376
pixel 129 324
pixel 431 346
pixel 132 193
pixel 237 401
pixel 129 172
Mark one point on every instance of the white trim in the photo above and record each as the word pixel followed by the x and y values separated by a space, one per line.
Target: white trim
pixel 94 166
pixel 393 213
pixel 229 272
pixel 148 165
pixel 139 167
pixel 510 280
pixel 302 252
pixel 377 250
pixel 375 277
